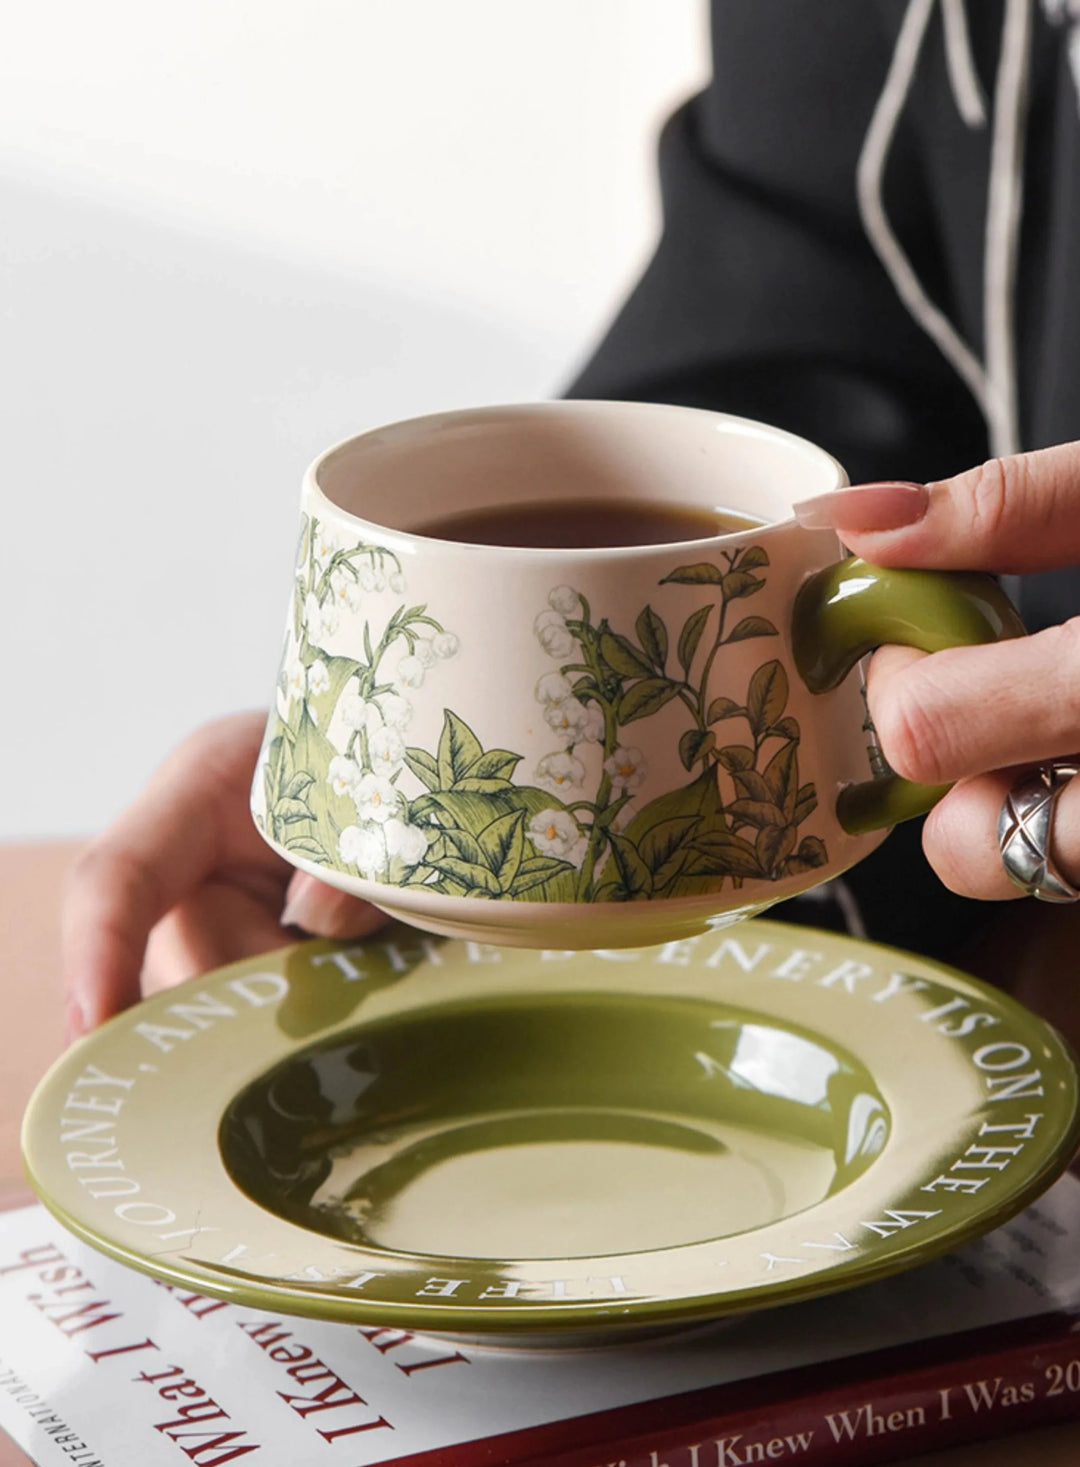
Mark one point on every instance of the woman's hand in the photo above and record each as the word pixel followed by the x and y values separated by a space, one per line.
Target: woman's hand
pixel 976 715
pixel 183 882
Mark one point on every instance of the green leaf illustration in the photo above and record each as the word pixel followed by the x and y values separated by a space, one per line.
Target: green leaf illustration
pixel 701 798
pixel 740 583
pixel 751 785
pixel 810 855
pixel 608 816
pixel 805 803
pixel 736 756
pixel 787 728
pixel 483 786
pixel 699 574
pixel 463 843
pixel 333 812
pixel 475 878
pixel 308 846
pixel 494 764
pixel 537 871
pixel 296 786
pixel 633 872
pixel 623 657
pixel 458 748
pixel 773 843
pixel 690 636
pixel 426 769
pixel 304 542
pixel 652 634
pixel 459 809
pixel 781 775
pixel 275 754
pixel 724 708
pixel 421 876
pixel 645 698
pixel 503 845
pixel 755 812
pixel 767 696
pixel 752 558
pixel 695 743
pixel 287 811
pixel 722 854
pixel 751 626
pixel 662 840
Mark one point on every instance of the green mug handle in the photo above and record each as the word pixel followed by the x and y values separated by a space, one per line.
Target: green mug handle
pixel 845 611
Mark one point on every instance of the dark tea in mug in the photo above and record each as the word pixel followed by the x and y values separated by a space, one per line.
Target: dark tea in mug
pixel 586 524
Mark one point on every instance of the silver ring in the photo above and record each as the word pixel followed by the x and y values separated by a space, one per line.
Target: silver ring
pixel 1025 832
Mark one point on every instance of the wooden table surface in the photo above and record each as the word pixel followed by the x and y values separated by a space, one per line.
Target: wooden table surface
pixel 31 885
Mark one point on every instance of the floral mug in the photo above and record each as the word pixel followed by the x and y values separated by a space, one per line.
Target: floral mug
pixel 585 748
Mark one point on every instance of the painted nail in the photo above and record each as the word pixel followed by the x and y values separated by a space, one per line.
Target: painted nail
pixel 305 901
pixel 322 910
pixel 865 508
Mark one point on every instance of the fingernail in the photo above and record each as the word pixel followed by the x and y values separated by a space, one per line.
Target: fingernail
pixel 75 1025
pixel 324 911
pixel 315 907
pixel 865 508
pixel 303 902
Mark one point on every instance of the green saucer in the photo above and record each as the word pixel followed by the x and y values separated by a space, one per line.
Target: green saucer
pixel 552 1147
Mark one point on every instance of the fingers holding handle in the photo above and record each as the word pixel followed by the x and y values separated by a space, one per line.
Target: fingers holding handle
pixel 845 611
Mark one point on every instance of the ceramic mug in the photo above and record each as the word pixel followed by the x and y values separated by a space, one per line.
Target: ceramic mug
pixel 585 748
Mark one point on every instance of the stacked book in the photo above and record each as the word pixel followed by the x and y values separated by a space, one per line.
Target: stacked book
pixel 103 1367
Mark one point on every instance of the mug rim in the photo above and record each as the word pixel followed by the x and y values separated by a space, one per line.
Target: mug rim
pixel 411 540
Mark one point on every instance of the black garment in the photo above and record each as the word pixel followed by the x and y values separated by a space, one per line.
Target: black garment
pixel 766 298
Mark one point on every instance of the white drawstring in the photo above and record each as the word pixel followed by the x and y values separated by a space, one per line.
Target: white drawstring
pixel 992 383
pixel 1004 201
pixel 963 78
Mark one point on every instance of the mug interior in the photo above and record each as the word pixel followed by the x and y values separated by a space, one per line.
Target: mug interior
pixel 404 476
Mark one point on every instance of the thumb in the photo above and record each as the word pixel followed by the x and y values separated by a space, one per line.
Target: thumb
pixel 1009 515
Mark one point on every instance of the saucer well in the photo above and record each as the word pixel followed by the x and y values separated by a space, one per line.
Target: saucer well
pixel 527 1147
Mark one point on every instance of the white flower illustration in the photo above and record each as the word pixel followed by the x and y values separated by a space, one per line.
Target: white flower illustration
pixel 559 772
pixel 371 577
pixel 568 719
pixel 318 678
pixel 627 768
pixel 356 712
pixel 446 644
pixel 363 848
pixel 295 679
pixel 410 672
pixel 592 730
pixel 320 619
pixel 376 798
pixel 553 634
pixel 397 583
pixel 396 711
pixel 425 652
pixel 556 833
pixel 407 842
pixel 553 689
pixel 344 775
pixel 387 750
pixel 327 544
pixel 345 589
pixel 566 601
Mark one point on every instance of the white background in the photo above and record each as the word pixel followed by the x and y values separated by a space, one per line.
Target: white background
pixel 235 231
